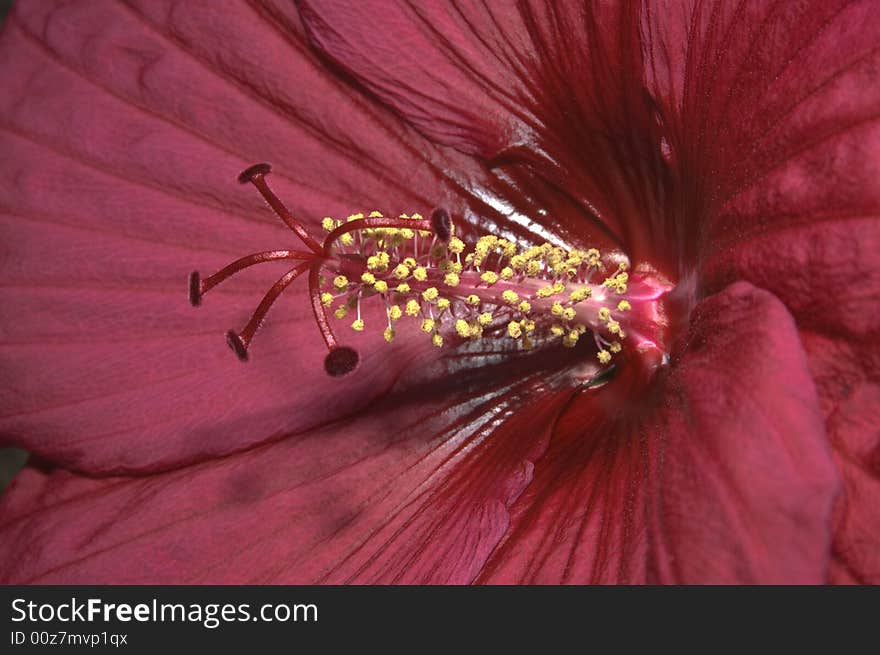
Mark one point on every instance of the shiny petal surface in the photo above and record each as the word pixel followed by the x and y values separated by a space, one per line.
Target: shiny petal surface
pixel 549 95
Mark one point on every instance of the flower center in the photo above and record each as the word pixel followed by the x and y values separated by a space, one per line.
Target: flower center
pixel 421 271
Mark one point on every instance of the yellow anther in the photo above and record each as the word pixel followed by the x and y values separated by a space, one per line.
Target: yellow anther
pixel 394 312
pixel 347 239
pixel 558 287
pixel 533 267
pixel 489 277
pixel 613 327
pixel 428 325
pixel 354 217
pixel 455 267
pixel 326 299
pixel 604 356
pixel 484 319
pixel 381 286
pixel 508 248
pixel 570 340
pixel 556 309
pixel 544 292
pixel 375 214
pixel 341 312
pixel 514 329
pixel 568 314
pixel 486 243
pixel 368 278
pixel 437 340
pixel 442 303
pixel 473 300
pixel 624 306
pixel 357 325
pixel 615 347
pixel 528 324
pixel 462 327
pixel 476 331
pixel 406 233
pixel 410 262
pixel 388 334
pixel 604 314
pixel 579 295
pixel 593 254
pixel 401 271
pixel 617 282
pixel 374 263
pixel 340 282
pixel 557 330
pixel 430 294
pixel 518 262
pixel 403 288
pixel 506 273
pixel 328 224
pixel 510 297
pixel 456 246
pixel 451 279
pixel 413 308
pixel 416 217
pixel 580 327
pixel 420 274
pixel 525 307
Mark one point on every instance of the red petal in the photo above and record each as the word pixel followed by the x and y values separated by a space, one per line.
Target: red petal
pixel 411 492
pixel 120 188
pixel 829 277
pixel 791 200
pixel 771 110
pixel 728 479
pixel 550 95
pixel 849 391
pixel 447 70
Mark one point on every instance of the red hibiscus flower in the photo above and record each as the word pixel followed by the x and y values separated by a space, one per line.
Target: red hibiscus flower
pixel 729 151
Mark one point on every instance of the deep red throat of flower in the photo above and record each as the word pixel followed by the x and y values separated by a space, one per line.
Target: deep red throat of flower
pixel 593 300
